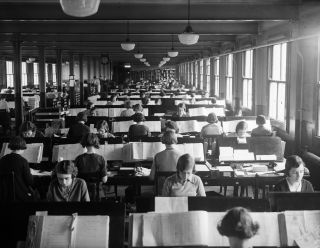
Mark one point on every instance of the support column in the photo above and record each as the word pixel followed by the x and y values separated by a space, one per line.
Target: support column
pixel 42 80
pixel 59 70
pixel 17 84
pixel 71 77
pixel 81 79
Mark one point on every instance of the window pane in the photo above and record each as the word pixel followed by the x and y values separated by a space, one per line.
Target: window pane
pixel 9 67
pixel 283 61
pixel 229 89
pixel 276 62
pixel 248 64
pixel 273 100
pixel 229 65
pixel 245 93
pixel 24 67
pixel 281 101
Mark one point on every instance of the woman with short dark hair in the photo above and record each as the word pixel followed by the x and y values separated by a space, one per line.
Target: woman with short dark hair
pixel 184 182
pixel 213 128
pixel 14 162
pixel 294 182
pixel 138 130
pixel 29 130
pixel 261 130
pixel 65 187
pixel 239 227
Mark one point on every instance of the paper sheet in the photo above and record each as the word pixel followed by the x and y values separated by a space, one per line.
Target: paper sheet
pixel 33 153
pixel 66 152
pixel 171 204
pixel 175 229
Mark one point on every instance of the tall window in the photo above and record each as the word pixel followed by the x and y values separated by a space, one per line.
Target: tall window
pixel 229 72
pixel 277 81
pixel 54 74
pixel 208 74
pixel 35 73
pixel 9 73
pixel 46 73
pixel 201 74
pixel 196 71
pixel 24 73
pixel 216 76
pixel 247 78
pixel 191 73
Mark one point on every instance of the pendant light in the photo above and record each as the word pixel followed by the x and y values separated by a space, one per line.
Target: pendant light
pixel 188 37
pixel 138 55
pixel 80 8
pixel 127 45
pixel 172 53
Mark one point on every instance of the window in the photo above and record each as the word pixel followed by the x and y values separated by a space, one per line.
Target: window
pixel 9 73
pixel 196 71
pixel 208 74
pixel 46 73
pixel 54 74
pixel 35 73
pixel 247 78
pixel 277 81
pixel 24 73
pixel 216 76
pixel 191 73
pixel 229 66
pixel 201 74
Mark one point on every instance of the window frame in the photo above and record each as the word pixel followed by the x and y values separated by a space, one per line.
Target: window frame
pixel 229 77
pixel 10 76
pixel 216 68
pixel 247 80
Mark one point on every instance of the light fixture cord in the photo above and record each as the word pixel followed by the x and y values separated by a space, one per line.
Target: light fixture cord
pixel 188 12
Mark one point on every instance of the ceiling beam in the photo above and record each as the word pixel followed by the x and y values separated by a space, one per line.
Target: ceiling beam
pixel 128 11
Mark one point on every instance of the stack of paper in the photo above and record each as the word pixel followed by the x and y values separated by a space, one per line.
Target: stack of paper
pixel 230 126
pixel 68 231
pixel 121 126
pixel 66 152
pixel 170 204
pixel 194 149
pixel 188 126
pixel 226 153
pixel 243 155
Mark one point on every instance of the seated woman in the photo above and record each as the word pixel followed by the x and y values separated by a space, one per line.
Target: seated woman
pixel 14 162
pixel 138 130
pixel 294 182
pixel 171 126
pixel 181 111
pixel 261 130
pixel 168 158
pixel 184 182
pixel 53 129
pixel 103 130
pixel 78 130
pixel 239 227
pixel 113 99
pixel 29 130
pixel 213 128
pixel 241 130
pixel 137 108
pixel 128 111
pixel 65 187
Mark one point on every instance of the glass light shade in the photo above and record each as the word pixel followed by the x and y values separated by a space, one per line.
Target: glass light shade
pixel 80 8
pixel 138 55
pixel 166 59
pixel 143 60
pixel 127 45
pixel 188 37
pixel 173 53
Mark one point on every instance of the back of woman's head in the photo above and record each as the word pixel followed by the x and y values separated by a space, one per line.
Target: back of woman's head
pixel 212 118
pixel 242 125
pixel 127 104
pixel 261 120
pixel 17 143
pixel 172 125
pixel 66 167
pixel 293 161
pixel 90 105
pixel 90 139
pixel 185 162
pixel 238 223
pixel 138 117
pixel 137 107
pixel 82 116
pixel 169 137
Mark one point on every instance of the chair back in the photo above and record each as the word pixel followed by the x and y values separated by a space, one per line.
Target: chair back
pixel 7 188
pixel 93 184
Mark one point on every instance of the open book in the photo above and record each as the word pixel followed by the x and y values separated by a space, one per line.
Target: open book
pixel 194 228
pixel 68 231
pixel 66 152
pixel 33 153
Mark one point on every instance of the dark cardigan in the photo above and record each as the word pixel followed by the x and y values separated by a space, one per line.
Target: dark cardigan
pixel 283 186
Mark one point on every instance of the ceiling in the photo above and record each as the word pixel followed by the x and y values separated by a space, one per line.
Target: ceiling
pixel 153 25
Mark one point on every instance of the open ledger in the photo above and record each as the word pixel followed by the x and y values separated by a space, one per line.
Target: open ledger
pixel 194 228
pixel 68 231
pixel 33 153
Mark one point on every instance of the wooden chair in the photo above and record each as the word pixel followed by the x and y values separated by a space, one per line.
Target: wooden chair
pixel 7 187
